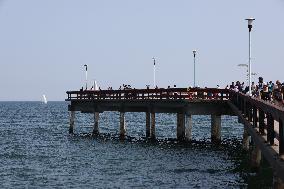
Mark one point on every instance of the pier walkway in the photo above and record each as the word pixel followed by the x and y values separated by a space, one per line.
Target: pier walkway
pixel 263 121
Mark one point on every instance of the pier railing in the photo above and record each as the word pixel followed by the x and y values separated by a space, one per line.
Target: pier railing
pixel 266 118
pixel 150 94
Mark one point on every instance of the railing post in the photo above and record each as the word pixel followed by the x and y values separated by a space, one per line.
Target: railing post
pixel 247 110
pixel 281 137
pixel 251 113
pixel 240 103
pixel 255 116
pixel 270 129
pixel 244 107
pixel 261 122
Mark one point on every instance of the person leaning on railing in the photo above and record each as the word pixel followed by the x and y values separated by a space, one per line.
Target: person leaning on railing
pixel 277 94
pixel 265 93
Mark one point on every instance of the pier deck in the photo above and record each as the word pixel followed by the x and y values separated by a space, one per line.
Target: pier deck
pixel 263 121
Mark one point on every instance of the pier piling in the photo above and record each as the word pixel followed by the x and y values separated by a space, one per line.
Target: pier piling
pixel 72 120
pixel 153 125
pixel 246 139
pixel 255 157
pixel 180 126
pixel 188 127
pixel 96 123
pixel 216 128
pixel 147 124
pixel 122 125
pixel 277 182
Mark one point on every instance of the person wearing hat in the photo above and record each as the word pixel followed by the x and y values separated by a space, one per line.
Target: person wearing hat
pixel 265 94
pixel 260 86
pixel 277 95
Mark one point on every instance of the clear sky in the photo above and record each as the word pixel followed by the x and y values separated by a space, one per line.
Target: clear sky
pixel 45 43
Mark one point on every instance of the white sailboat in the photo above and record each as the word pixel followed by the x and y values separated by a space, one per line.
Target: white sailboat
pixel 44 100
pixel 96 88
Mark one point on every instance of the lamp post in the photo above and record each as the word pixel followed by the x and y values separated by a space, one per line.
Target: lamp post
pixel 194 55
pixel 86 66
pixel 154 72
pixel 250 20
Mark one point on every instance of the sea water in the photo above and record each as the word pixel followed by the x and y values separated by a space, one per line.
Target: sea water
pixel 36 151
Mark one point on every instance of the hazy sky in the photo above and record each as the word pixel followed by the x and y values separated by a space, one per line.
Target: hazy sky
pixel 45 43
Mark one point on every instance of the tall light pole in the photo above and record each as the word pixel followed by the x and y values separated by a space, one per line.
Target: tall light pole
pixel 194 55
pixel 86 66
pixel 154 71
pixel 250 20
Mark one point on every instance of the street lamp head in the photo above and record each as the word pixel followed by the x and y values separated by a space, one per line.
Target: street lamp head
pixel 194 52
pixel 250 20
pixel 86 66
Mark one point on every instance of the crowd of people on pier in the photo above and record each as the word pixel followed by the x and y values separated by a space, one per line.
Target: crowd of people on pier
pixel 269 91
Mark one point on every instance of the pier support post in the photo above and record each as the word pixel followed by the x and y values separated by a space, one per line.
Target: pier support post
pixel 215 128
pixel 96 124
pixel 122 125
pixel 180 126
pixel 147 124
pixel 72 121
pixel 153 125
pixel 255 157
pixel 277 182
pixel 188 127
pixel 246 139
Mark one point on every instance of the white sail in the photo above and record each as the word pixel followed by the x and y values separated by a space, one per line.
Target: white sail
pixel 44 99
pixel 96 88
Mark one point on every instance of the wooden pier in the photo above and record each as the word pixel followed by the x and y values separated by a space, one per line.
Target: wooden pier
pixel 263 121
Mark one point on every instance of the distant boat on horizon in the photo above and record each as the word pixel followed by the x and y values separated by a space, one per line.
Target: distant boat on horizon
pixel 44 100
pixel 96 88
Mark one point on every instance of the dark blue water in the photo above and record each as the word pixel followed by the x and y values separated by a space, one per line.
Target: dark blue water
pixel 36 151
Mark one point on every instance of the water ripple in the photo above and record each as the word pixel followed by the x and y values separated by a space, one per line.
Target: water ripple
pixel 36 151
